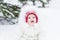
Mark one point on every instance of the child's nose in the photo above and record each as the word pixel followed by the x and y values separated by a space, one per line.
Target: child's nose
pixel 31 18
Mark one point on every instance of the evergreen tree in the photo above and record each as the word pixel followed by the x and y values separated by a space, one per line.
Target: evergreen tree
pixel 9 9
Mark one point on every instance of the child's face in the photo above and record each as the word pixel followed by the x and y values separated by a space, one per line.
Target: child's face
pixel 31 19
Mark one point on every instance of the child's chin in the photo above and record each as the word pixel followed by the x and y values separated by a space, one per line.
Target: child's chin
pixel 32 23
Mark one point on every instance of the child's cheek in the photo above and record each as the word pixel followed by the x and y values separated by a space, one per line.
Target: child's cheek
pixel 35 20
pixel 29 20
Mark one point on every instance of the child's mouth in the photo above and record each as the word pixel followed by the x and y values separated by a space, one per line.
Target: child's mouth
pixel 32 21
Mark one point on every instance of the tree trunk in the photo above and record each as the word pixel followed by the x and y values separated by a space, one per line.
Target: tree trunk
pixel 33 2
pixel 43 5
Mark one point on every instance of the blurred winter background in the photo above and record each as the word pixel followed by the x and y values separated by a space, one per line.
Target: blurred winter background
pixel 49 22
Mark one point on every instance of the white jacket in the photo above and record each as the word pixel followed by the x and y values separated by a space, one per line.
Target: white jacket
pixel 30 33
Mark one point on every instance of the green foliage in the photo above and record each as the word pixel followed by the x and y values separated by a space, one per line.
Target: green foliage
pixel 22 0
pixel 7 9
pixel 42 1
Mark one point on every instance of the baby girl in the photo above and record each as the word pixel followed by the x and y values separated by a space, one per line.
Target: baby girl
pixel 31 32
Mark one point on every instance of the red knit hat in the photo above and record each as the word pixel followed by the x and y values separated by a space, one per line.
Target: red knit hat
pixel 29 13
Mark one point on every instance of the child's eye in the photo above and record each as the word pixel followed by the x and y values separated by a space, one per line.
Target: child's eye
pixel 33 17
pixel 29 18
